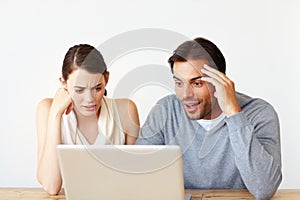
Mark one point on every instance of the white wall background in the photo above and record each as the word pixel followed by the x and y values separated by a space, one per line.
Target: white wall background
pixel 260 40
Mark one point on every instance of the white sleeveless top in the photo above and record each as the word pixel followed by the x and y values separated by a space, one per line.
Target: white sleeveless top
pixel 110 130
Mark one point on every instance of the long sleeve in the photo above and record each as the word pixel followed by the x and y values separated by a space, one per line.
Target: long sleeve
pixel 242 152
pixel 151 132
pixel 255 139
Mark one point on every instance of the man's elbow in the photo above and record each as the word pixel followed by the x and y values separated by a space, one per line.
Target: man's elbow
pixel 267 192
pixel 264 195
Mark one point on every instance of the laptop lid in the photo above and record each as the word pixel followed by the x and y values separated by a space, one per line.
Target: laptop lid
pixel 122 172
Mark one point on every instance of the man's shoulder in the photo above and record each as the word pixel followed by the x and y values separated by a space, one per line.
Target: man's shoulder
pixel 252 103
pixel 169 97
pixel 170 100
pixel 168 105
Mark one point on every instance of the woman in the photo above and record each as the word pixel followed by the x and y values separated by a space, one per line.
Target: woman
pixel 80 113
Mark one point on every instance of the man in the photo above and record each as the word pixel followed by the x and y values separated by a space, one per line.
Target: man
pixel 229 140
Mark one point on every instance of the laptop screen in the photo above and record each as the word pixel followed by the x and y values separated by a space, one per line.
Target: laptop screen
pixel 117 172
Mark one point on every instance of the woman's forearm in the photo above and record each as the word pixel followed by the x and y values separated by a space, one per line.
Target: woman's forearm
pixel 48 172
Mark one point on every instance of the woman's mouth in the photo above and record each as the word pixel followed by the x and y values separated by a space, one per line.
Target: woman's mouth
pixel 90 107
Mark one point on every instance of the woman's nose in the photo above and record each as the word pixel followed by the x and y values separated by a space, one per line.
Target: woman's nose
pixel 89 96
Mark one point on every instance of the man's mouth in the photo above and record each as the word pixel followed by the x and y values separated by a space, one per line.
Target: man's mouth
pixel 191 106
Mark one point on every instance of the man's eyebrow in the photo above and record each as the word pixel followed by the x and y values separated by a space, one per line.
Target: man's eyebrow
pixel 176 78
pixel 198 77
pixel 195 78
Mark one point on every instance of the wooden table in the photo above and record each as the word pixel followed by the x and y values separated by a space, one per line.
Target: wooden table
pixel 38 194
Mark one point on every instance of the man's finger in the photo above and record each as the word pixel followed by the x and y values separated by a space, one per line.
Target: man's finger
pixel 215 71
pixel 213 75
pixel 213 81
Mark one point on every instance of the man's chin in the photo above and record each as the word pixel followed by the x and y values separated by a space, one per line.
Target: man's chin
pixel 193 116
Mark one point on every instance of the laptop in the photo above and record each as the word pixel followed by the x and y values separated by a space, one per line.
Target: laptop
pixel 122 172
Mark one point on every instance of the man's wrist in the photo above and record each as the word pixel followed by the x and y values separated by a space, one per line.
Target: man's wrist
pixel 233 112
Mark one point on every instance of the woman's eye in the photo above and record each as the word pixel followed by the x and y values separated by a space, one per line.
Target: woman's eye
pixel 98 88
pixel 78 91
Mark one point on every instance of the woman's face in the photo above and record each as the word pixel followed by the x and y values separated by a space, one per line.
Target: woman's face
pixel 86 90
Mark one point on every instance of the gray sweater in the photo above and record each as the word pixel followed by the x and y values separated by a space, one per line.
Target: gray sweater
pixel 242 151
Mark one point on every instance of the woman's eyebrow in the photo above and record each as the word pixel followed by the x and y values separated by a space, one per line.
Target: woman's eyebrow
pixel 99 84
pixel 79 87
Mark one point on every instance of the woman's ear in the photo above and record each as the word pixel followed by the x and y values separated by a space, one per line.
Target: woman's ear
pixel 106 77
pixel 63 83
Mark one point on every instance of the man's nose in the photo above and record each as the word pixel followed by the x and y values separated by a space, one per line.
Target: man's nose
pixel 188 91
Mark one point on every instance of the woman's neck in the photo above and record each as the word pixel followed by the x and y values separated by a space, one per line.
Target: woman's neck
pixel 81 119
pixel 88 126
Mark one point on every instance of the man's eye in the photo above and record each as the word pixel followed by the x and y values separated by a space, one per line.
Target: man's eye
pixel 178 84
pixel 197 84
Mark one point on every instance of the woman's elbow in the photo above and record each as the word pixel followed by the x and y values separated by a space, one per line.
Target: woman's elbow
pixel 51 188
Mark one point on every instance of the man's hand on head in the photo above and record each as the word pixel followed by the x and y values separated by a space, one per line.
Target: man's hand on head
pixel 224 90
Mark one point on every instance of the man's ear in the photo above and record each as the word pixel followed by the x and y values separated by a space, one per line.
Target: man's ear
pixel 106 77
pixel 63 83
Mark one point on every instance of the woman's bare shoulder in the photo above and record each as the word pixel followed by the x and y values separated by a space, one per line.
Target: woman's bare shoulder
pixel 44 104
pixel 129 118
pixel 124 103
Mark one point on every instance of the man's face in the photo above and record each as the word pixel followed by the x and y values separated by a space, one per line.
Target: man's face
pixel 195 95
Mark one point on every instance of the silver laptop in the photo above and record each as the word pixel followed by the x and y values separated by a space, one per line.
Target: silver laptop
pixel 122 172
